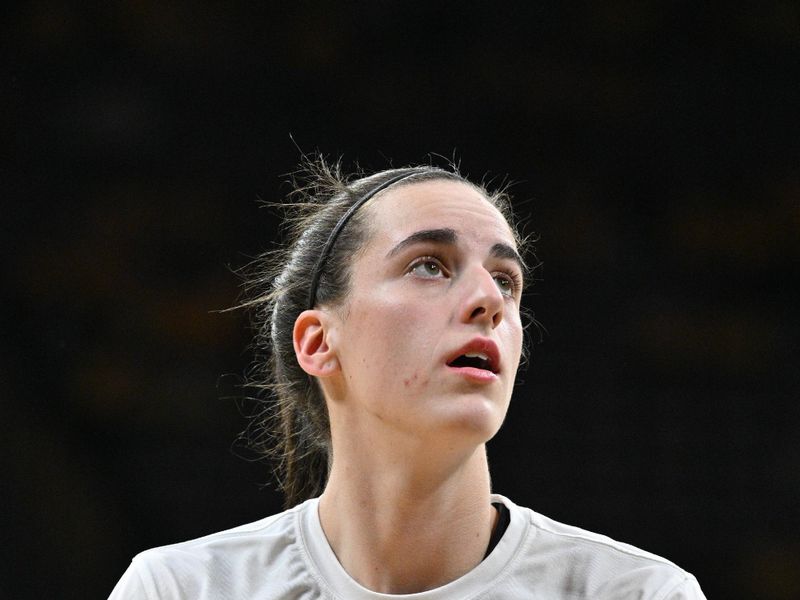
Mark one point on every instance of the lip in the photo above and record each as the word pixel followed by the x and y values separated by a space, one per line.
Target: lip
pixel 478 345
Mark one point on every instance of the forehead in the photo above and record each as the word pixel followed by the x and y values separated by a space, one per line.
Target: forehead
pixel 401 211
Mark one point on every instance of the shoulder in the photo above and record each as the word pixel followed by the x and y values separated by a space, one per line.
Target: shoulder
pixel 233 557
pixel 271 533
pixel 597 566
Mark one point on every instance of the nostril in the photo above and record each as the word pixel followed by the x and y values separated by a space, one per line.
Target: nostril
pixel 478 312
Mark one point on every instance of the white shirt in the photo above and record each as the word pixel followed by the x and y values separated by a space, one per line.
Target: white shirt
pixel 287 556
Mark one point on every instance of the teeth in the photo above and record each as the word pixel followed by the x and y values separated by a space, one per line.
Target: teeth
pixel 476 355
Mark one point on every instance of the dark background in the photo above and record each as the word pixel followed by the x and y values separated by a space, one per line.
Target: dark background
pixel 655 150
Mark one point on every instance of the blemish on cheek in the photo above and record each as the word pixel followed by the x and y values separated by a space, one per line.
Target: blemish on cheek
pixel 407 382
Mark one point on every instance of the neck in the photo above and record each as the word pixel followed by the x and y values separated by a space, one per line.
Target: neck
pixel 410 525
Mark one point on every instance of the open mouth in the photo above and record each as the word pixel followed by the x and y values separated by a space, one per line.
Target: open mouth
pixel 475 360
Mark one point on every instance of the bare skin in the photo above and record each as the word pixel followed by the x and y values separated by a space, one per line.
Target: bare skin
pixel 426 537
pixel 407 506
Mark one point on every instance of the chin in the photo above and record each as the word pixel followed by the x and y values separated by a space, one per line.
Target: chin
pixel 476 418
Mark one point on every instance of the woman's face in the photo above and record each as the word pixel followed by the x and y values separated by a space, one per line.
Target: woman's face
pixel 429 339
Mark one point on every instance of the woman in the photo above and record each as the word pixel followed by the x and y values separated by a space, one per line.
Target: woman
pixel 394 331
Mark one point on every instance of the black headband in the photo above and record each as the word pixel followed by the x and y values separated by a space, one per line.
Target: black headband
pixel 312 293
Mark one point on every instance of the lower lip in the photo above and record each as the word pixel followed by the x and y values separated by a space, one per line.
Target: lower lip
pixel 473 374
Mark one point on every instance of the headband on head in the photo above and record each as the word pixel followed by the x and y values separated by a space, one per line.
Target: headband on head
pixel 317 273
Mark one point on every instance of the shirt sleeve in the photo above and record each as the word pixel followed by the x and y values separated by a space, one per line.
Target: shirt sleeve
pixel 164 574
pixel 653 581
pixel 688 589
pixel 132 585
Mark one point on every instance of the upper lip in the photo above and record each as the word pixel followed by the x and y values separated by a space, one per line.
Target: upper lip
pixel 480 345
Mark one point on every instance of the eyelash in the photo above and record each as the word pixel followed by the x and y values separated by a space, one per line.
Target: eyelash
pixel 514 279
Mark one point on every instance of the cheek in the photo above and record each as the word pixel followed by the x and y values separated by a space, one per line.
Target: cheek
pixel 394 341
pixel 416 381
pixel 516 338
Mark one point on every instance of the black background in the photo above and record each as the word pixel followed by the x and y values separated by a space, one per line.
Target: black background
pixel 654 148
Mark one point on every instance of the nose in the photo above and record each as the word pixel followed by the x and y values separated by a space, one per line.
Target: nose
pixel 482 302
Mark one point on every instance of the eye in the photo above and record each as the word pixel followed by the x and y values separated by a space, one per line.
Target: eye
pixel 427 267
pixel 508 283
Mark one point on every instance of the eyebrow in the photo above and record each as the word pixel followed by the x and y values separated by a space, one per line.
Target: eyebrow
pixel 507 252
pixel 450 237
pixel 440 236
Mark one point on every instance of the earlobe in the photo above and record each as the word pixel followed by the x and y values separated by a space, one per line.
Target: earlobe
pixel 311 347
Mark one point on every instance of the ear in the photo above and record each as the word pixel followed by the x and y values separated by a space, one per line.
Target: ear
pixel 311 346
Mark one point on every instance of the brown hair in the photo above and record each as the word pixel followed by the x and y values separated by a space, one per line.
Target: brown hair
pixel 292 426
